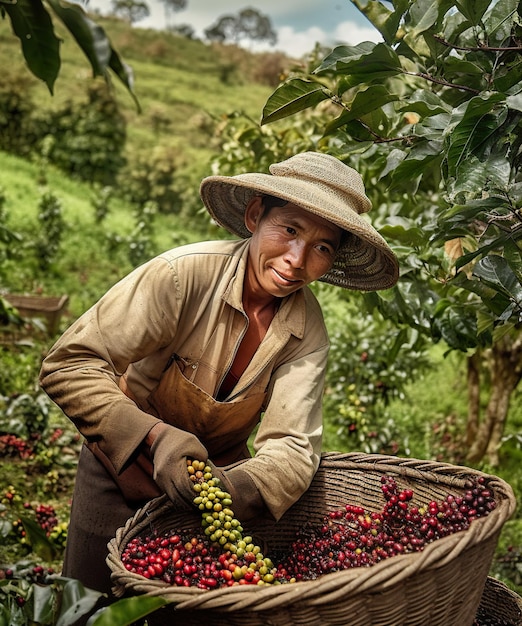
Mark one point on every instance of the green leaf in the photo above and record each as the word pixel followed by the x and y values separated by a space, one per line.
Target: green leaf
pixel 500 20
pixel 473 10
pixel 90 36
pixel 77 602
pixel 425 103
pixel 293 96
pixel 513 258
pixel 94 43
pixel 476 122
pixel 406 236
pixel 495 271
pixel 474 176
pixel 43 603
pixel 400 339
pixel 126 611
pixel 365 62
pixel 124 73
pixel 421 159
pixel 367 100
pixel 40 543
pixel 32 24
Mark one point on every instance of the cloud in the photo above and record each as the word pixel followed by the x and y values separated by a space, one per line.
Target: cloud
pixel 303 23
pixel 351 33
pixel 299 43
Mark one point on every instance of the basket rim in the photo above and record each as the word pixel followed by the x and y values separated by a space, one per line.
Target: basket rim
pixel 336 584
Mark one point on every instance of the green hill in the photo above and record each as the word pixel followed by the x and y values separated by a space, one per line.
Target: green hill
pixel 184 86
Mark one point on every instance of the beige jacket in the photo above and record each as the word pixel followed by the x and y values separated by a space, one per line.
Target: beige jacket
pixel 188 302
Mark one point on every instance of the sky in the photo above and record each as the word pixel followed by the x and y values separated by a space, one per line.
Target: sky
pixel 299 24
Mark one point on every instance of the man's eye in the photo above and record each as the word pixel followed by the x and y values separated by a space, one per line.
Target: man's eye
pixel 326 250
pixel 290 230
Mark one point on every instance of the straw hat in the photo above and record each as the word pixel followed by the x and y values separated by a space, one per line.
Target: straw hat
pixel 325 186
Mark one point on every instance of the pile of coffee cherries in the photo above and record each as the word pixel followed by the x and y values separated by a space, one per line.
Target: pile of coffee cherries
pixel 219 554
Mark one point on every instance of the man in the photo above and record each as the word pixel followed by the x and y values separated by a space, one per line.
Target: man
pixel 185 356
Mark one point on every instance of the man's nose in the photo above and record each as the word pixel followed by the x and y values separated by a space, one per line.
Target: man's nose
pixel 296 254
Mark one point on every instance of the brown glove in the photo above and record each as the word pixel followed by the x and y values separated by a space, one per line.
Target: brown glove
pixel 169 452
pixel 247 502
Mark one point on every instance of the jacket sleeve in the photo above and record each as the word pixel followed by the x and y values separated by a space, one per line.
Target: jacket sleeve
pixel 82 370
pixel 289 438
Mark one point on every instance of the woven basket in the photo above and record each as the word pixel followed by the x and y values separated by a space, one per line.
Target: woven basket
pixel 499 605
pixel 440 586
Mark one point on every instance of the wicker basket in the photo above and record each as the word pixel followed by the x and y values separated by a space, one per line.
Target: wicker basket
pixel 440 586
pixel 499 605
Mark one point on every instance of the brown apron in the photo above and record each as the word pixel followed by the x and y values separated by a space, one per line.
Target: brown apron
pixel 222 427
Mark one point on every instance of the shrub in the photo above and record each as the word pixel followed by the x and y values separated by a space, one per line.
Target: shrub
pixel 88 139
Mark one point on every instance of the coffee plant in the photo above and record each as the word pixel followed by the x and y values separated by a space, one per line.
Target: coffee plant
pixel 47 243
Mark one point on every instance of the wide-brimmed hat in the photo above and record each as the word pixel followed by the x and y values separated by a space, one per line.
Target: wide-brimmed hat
pixel 325 186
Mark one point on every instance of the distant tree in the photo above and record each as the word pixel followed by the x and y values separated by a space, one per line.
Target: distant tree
pixel 171 6
pixel 183 30
pixel 131 10
pixel 247 24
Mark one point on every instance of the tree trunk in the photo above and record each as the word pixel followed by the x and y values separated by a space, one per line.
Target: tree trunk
pixel 473 377
pixel 504 363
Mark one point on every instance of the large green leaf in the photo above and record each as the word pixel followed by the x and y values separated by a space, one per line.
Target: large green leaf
pixel 367 100
pixel 32 24
pixel 476 122
pixel 77 602
pixel 474 175
pixel 293 96
pixel 90 36
pixel 496 272
pixel 473 10
pixel 94 43
pixel 44 603
pixel 127 611
pixel 40 543
pixel 423 156
pixel 366 62
pixel 500 19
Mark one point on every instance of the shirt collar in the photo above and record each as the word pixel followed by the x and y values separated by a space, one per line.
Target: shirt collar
pixel 292 312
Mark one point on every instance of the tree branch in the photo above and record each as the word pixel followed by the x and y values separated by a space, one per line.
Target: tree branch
pixel 482 48
pixel 440 81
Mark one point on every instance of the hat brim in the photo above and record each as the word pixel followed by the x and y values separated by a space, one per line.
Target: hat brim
pixel 363 262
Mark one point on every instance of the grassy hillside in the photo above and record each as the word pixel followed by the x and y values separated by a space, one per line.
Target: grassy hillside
pixel 184 86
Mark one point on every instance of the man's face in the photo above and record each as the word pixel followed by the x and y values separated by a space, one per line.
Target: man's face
pixel 290 247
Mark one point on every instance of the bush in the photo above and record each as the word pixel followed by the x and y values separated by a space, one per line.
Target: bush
pixel 87 139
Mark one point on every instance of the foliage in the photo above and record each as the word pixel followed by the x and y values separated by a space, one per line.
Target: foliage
pixel 153 178
pixel 370 365
pixel 30 595
pixel 431 117
pixel 432 114
pixel 17 132
pixel 51 221
pixel 139 243
pixel 32 24
pixel 87 139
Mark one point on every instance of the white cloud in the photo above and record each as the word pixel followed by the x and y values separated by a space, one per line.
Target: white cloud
pixel 200 14
pixel 351 33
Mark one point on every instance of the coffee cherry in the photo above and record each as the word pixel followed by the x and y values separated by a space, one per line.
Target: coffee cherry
pixel 220 555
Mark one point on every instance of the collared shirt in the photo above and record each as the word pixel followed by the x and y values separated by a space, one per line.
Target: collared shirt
pixel 188 302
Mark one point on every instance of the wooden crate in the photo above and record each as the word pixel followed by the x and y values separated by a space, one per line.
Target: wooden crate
pixel 48 308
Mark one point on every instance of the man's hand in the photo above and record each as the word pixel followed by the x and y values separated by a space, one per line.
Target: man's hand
pixel 247 502
pixel 169 449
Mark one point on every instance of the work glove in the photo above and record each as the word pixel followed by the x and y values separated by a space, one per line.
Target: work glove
pixel 247 502
pixel 169 452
